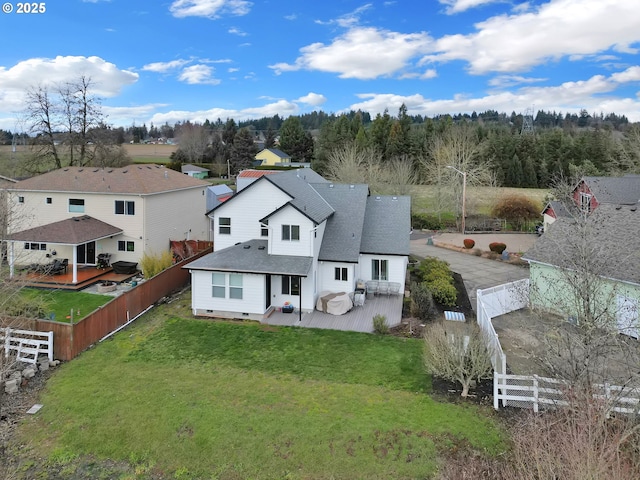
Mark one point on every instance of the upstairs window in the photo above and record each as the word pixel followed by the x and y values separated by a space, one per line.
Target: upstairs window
pixel 49 200
pixel 20 199
pixel 124 246
pixel 290 232
pixel 125 207
pixel 264 229
pixel 585 202
pixel 224 226
pixel 76 205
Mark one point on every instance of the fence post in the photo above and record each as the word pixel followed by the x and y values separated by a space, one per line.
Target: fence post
pixel 7 334
pixel 496 400
pixel 50 350
pixel 535 393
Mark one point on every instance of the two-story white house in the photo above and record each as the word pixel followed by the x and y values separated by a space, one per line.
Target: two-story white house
pixel 289 236
pixel 76 213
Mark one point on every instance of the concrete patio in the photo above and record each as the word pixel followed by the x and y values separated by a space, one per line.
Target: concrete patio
pixel 358 319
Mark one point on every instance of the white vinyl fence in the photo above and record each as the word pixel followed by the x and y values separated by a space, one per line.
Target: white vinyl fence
pixel 27 345
pixel 532 391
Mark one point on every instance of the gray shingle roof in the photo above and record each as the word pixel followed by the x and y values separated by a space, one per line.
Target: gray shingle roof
pixel 277 152
pixel 620 190
pixel 343 233
pixel 609 242
pixel 305 198
pixel 249 257
pixel 387 225
pixel 72 231
pixel 559 208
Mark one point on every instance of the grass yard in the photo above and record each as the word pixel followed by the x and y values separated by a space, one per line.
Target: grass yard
pixel 175 397
pixel 60 302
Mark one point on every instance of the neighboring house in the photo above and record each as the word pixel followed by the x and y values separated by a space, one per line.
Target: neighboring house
pixel 195 171
pixel 80 212
pixel 591 262
pixel 5 182
pixel 288 237
pixel 552 211
pixel 272 157
pixel 217 194
pixel 247 177
pixel 593 191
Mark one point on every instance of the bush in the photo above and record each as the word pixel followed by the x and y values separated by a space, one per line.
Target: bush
pixel 469 243
pixel 422 221
pixel 422 305
pixel 153 263
pixel 497 247
pixel 443 291
pixel 438 278
pixel 432 268
pixel 380 324
pixel 517 210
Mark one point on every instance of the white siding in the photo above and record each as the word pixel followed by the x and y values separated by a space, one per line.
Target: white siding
pixel 278 299
pixel 397 268
pixel 290 216
pixel 327 281
pixel 252 304
pixel 245 212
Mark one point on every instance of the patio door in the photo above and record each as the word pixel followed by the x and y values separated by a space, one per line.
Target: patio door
pixel 86 253
pixel 267 291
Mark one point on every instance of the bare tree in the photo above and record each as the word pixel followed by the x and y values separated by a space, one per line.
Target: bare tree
pixel 193 141
pixel 62 120
pixel 457 354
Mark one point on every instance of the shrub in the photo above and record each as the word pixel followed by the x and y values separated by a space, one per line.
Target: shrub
pixel 153 263
pixel 422 305
pixel 380 324
pixel 469 243
pixel 443 291
pixel 497 247
pixel 438 278
pixel 432 268
pixel 517 210
pixel 428 222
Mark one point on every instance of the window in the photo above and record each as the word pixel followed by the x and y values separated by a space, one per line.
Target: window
pixel 35 246
pixel 218 281
pixel 341 274
pixel 126 246
pixel 379 269
pixel 21 199
pixel 290 285
pixel 264 229
pixel 49 200
pixel 235 286
pixel 290 232
pixel 76 205
pixel 125 207
pixel 585 202
pixel 219 285
pixel 224 226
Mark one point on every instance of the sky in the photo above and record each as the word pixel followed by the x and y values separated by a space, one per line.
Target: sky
pixel 155 61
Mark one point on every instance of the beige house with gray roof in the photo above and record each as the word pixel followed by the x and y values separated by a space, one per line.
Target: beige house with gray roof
pixel 78 213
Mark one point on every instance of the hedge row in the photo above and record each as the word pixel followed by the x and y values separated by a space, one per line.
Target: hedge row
pixel 438 278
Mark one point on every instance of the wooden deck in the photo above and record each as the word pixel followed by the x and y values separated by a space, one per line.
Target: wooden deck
pixel 358 319
pixel 87 275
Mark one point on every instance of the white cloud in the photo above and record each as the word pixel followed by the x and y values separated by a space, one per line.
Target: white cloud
pixel 161 67
pixel 293 16
pixel 362 53
pixel 558 28
pixel 314 99
pixel 457 6
pixel 198 75
pixel 503 81
pixel 209 8
pixel 349 19
pixel 237 31
pixel 108 80
pixel 594 94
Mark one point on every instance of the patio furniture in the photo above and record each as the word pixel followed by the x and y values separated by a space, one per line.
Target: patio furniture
pixel 372 288
pixel 394 288
pixel 334 303
pixel 383 288
pixel 104 259
pixel 123 267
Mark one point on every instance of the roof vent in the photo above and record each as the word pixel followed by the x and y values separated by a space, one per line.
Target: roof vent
pixel 331 185
pixel 247 247
pixel 634 208
pixel 261 247
pixel 378 198
pixel 166 174
pixel 96 170
pixel 76 219
pixel 618 207
pixel 125 171
pixel 351 187
pixel 394 198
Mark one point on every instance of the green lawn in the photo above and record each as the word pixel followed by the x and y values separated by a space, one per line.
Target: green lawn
pixel 60 302
pixel 174 397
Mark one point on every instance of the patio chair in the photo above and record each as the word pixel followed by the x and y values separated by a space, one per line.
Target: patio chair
pixel 383 288
pixel 394 288
pixel 372 287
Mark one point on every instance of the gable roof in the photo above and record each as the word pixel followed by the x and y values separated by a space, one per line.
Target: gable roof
pixel 133 179
pixel 72 231
pixel 620 190
pixel 608 239
pixel 387 225
pixel 192 168
pixel 343 232
pixel 221 189
pixel 558 208
pixel 304 197
pixel 275 151
pixel 252 257
pixel 252 173
pixel 6 181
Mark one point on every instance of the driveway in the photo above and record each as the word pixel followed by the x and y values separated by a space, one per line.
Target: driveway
pixel 476 272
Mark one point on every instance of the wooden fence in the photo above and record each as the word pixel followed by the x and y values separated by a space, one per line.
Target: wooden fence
pixel 73 339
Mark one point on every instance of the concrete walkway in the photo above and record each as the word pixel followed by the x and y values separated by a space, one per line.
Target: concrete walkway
pixel 477 272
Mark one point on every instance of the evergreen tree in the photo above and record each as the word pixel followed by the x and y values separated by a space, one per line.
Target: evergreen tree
pixel 514 172
pixel 243 151
pixel 529 177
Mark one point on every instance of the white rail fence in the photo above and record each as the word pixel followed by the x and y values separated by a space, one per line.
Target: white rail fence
pixel 26 344
pixel 533 391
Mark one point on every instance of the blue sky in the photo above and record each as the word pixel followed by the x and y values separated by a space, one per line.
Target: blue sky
pixel 175 60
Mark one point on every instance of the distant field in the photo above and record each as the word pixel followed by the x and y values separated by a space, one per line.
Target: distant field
pixel 480 200
pixel 146 152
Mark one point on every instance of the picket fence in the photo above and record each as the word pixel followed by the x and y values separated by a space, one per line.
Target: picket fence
pixel 533 391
